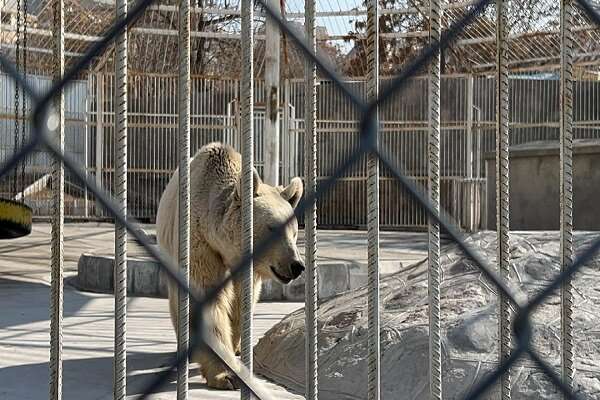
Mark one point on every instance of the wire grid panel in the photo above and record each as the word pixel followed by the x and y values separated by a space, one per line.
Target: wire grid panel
pixel 47 123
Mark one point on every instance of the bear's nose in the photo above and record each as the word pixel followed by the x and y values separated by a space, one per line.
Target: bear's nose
pixel 297 267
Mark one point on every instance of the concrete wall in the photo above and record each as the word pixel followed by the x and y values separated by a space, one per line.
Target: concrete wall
pixel 535 186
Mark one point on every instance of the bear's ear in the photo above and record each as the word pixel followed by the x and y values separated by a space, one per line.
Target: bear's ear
pixel 257 182
pixel 293 192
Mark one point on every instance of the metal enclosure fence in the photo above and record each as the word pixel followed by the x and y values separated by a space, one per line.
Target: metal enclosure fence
pixel 467 132
pixel 48 119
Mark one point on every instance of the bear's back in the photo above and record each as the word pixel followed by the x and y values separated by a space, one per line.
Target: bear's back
pixel 214 171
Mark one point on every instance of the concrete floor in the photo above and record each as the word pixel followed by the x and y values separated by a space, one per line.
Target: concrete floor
pixel 88 344
pixel 89 321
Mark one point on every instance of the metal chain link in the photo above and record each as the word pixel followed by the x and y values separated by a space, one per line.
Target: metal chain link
pixel 24 103
pixel 17 130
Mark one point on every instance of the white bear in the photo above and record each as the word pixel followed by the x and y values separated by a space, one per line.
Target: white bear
pixel 215 243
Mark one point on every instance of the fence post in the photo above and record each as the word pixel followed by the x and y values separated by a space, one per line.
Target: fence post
pixel 434 276
pixel 286 136
pixel 478 139
pixel 374 390
pixel 120 185
pixel 86 144
pixel 247 136
pixel 57 116
pixel 99 135
pixel 183 100
pixel 271 134
pixel 566 185
pixel 502 187
pixel 470 151
pixel 310 215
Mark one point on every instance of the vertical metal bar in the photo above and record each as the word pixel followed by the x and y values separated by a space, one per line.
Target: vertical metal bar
pixel 310 215
pixel 470 150
pixel 86 143
pixel 373 207
pixel 271 134
pixel 502 185
pixel 99 135
pixel 566 185
pixel 286 135
pixel 434 281
pixel 57 117
pixel 120 185
pixel 247 129
pixel 183 97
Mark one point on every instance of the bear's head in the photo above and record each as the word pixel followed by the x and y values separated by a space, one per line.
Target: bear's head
pixel 273 206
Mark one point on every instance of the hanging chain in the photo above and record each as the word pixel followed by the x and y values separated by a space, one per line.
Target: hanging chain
pixel 17 53
pixel 24 102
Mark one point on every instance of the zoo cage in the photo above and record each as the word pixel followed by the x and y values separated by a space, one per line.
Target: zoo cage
pixel 377 160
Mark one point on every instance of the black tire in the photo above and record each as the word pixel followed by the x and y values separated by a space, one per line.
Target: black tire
pixel 15 219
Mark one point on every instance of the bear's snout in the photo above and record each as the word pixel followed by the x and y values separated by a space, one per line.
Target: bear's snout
pixel 297 268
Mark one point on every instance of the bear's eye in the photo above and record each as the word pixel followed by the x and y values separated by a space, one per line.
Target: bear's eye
pixel 272 228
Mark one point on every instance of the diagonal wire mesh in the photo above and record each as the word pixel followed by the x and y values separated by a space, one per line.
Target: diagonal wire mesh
pixel 45 124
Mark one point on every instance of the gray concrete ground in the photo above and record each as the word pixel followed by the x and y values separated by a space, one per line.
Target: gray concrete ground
pixel 89 321
pixel 88 344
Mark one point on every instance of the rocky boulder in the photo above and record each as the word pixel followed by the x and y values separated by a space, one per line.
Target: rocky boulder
pixel 469 334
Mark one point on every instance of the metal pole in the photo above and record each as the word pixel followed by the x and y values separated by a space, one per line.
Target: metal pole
pixel 502 186
pixel 286 135
pixel 271 133
pixel 56 123
pixel 99 135
pixel 184 193
pixel 120 185
pixel 86 144
pixel 566 185
pixel 470 149
pixel 310 215
pixel 373 208
pixel 434 279
pixel 247 130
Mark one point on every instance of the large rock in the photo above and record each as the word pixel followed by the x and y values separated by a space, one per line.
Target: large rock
pixel 469 337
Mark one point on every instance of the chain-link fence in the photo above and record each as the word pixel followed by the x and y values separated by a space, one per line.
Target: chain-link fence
pixel 515 328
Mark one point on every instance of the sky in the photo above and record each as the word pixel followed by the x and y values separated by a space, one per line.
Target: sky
pixel 334 25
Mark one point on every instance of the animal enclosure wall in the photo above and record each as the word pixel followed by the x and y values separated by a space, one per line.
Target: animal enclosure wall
pixel 468 131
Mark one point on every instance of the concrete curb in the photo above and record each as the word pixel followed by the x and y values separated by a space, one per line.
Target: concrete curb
pixel 145 278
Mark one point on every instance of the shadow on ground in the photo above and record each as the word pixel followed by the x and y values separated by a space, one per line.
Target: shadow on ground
pixel 18 310
pixel 92 378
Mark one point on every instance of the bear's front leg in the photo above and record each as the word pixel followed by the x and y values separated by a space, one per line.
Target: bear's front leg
pixel 236 310
pixel 213 369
